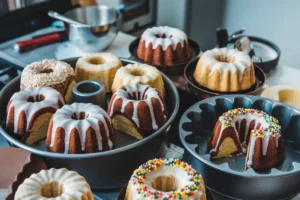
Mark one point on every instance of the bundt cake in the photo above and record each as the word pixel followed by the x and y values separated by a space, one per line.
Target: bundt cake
pixel 50 73
pixel 58 184
pixel 137 108
pixel 163 46
pixel 138 74
pixel 29 112
pixel 101 67
pixel 80 128
pixel 239 128
pixel 165 179
pixel 225 70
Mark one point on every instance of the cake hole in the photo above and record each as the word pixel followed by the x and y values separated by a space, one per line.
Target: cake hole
pixel 96 60
pixel 79 116
pixel 38 98
pixel 45 71
pixel 88 87
pixel 161 36
pixel 225 59
pixel 137 72
pixel 165 184
pixel 51 190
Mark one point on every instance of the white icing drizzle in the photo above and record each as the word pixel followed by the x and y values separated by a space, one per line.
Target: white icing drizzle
pixel 263 128
pixel 251 151
pixel 19 101
pixel 74 186
pixel 93 114
pixel 134 90
pixel 242 62
pixel 173 36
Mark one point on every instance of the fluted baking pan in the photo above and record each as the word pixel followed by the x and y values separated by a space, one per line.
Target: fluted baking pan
pixel 109 169
pixel 227 176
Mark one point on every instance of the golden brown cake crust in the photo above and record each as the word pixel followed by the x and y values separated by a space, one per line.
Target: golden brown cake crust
pixel 27 106
pixel 80 128
pixel 141 104
pixel 163 46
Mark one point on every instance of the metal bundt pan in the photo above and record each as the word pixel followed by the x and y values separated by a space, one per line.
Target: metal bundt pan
pixel 227 176
pixel 110 169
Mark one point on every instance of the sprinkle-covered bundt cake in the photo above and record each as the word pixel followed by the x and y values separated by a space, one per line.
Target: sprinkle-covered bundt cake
pixel 251 132
pixel 165 179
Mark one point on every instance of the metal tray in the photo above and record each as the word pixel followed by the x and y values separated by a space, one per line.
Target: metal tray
pixel 169 70
pixel 227 176
pixel 122 194
pixel 110 169
pixel 202 92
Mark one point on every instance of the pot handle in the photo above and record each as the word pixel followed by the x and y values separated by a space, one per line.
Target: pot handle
pixel 130 6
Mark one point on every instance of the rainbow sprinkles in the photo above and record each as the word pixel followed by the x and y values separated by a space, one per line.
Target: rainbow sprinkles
pixel 189 182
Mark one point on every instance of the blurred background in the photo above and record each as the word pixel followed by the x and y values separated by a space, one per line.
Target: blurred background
pixel 275 20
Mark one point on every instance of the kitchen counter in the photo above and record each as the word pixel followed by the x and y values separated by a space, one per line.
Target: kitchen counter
pixel 284 75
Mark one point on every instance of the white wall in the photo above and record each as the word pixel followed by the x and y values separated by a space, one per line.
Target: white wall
pixel 205 18
pixel 276 20
pixel 172 13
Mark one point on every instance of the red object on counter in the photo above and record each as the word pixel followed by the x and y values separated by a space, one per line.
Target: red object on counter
pixel 36 42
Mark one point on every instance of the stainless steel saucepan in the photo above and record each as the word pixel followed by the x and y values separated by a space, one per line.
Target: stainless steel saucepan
pixel 91 29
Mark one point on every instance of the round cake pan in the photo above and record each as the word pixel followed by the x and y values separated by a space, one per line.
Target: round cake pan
pixel 122 194
pixel 202 93
pixel 109 169
pixel 227 176
pixel 168 70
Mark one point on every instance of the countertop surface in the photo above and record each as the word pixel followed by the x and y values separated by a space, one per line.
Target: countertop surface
pixel 283 75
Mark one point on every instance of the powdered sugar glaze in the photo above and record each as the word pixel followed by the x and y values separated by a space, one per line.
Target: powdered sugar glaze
pixel 93 114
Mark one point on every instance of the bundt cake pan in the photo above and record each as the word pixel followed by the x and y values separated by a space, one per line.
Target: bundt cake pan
pixel 227 177
pixel 168 70
pixel 109 169
pixel 202 93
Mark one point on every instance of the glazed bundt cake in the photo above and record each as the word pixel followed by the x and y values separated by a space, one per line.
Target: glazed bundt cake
pixel 139 74
pixel 58 184
pixel 163 46
pixel 165 179
pixel 29 112
pixel 50 73
pixel 248 131
pixel 225 70
pixel 137 108
pixel 80 128
pixel 101 67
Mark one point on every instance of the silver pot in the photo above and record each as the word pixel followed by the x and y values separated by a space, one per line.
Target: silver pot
pixel 103 25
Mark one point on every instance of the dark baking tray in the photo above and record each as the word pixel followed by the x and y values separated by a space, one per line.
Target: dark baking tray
pixel 227 176
pixel 110 169
pixel 168 70
pixel 202 92
pixel 122 193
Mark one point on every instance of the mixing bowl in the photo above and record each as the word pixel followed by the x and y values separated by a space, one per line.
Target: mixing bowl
pixel 102 26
